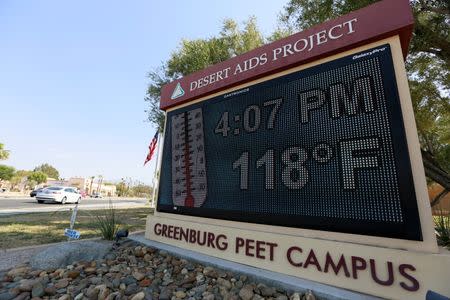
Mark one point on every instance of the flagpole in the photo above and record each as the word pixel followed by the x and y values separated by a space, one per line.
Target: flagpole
pixel 158 142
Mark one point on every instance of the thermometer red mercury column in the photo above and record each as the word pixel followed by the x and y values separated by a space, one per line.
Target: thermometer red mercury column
pixel 189 201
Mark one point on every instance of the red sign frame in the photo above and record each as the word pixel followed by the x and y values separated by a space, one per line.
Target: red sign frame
pixel 374 22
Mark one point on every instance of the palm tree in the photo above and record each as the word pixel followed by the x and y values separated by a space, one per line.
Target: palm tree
pixel 90 188
pixel 4 154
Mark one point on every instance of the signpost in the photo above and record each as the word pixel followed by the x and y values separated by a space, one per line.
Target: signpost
pixel 302 157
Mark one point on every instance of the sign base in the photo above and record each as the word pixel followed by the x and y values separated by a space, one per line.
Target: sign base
pixel 382 272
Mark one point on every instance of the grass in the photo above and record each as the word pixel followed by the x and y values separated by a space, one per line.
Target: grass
pixel 43 228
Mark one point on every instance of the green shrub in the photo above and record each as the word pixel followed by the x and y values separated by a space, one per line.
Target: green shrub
pixel 442 227
pixel 107 222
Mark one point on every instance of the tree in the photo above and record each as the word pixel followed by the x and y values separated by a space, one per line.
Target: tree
pixel 4 154
pixel 121 189
pixel 47 169
pixel 141 190
pixel 37 176
pixel 428 66
pixel 194 55
pixel 20 177
pixel 31 184
pixel 6 172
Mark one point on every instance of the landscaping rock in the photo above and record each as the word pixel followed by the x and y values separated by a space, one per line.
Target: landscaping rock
pixel 79 296
pixel 200 278
pixel 131 289
pixel 144 283
pixel 128 280
pixel 309 296
pixel 18 271
pixel 138 275
pixel 38 290
pixel 7 296
pixel 103 291
pixel 295 296
pixel 26 285
pixel 225 283
pixel 246 293
pixel 138 296
pixel 68 253
pixel 62 283
pixel 267 291
pixel 134 272
pixel 51 290
pixel 73 274
pixel 165 294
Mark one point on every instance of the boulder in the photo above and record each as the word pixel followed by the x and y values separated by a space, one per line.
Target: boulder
pixel 67 253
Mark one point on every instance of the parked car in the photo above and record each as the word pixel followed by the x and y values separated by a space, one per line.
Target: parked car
pixel 2 190
pixel 97 195
pixel 60 194
pixel 34 193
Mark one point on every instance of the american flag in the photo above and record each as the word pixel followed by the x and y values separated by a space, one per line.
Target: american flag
pixel 151 148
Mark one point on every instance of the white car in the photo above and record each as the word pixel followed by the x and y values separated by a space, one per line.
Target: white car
pixel 61 194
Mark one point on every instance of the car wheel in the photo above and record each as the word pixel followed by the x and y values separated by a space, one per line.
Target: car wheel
pixel 63 201
pixel 40 201
pixel 78 201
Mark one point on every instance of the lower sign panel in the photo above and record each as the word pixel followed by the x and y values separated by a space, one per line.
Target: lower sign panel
pixel 323 148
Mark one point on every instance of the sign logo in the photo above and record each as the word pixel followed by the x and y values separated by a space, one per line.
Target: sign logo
pixel 177 92
pixel 72 233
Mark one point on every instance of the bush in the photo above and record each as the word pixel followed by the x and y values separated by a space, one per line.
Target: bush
pixel 107 222
pixel 442 227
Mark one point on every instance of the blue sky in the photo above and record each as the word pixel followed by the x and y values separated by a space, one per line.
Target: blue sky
pixel 73 76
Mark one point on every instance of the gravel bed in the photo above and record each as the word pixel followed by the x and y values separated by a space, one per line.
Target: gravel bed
pixel 136 272
pixel 10 258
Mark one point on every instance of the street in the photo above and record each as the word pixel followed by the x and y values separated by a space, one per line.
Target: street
pixel 9 206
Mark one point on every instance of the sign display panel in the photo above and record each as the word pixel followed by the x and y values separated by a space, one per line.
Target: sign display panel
pixel 322 148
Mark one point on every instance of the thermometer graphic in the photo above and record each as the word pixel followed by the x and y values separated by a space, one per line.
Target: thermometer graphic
pixel 188 159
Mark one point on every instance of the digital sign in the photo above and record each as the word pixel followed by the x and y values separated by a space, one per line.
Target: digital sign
pixel 322 148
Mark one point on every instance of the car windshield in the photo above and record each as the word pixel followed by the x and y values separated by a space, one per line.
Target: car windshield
pixel 55 188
